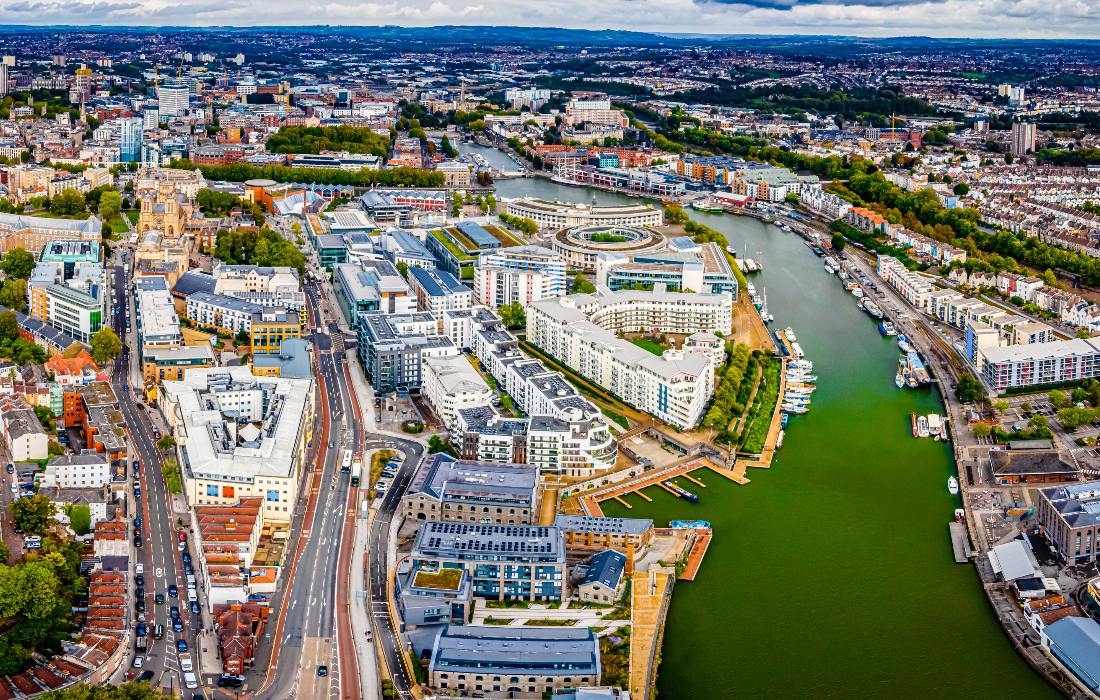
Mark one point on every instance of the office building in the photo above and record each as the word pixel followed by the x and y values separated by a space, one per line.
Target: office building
pixel 265 286
pixel 130 137
pixel 372 285
pixel 505 562
pixel 240 436
pixel 512 662
pixel 582 331
pixel 437 291
pixel 33 233
pixel 1075 643
pixel 444 488
pixel 172 99
pixel 158 326
pixel 551 216
pixel 400 246
pixel 457 248
pixel 1070 516
pixel 519 275
pixel 171 363
pixel 1023 138
pixel 591 533
pixel 691 267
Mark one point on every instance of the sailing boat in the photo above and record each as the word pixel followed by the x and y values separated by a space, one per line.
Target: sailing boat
pixel 764 315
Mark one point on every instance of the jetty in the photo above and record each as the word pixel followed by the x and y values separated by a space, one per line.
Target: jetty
pixel 960 543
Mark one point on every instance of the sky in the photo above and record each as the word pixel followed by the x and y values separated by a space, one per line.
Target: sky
pixel 1039 19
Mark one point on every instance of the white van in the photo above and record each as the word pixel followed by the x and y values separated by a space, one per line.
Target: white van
pixel 185 663
pixel 190 681
pixel 192 595
pixel 139 568
pixel 191 581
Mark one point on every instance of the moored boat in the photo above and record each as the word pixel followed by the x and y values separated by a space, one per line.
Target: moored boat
pixel 952 485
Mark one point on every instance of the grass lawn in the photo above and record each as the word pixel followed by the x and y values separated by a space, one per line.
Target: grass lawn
pixel 47 214
pixel 650 345
pixel 118 227
pixel 133 215
pixel 617 418
pixel 555 622
pixel 490 620
pixel 506 238
pixel 444 579
pixel 377 461
pixel 449 245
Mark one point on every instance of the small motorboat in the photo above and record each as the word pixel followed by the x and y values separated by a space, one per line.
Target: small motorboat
pixel 952 485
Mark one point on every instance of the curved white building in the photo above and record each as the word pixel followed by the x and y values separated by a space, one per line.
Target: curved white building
pixel 554 215
pixel 580 331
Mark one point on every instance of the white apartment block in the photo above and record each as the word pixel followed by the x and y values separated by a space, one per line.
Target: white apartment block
pixel 1040 363
pixel 816 199
pixel 452 384
pixel 266 286
pixel 86 470
pixel 519 276
pixel 240 436
pixel 594 112
pixel 914 287
pixel 581 331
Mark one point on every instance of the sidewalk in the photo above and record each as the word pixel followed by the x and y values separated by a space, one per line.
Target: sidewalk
pixel 360 616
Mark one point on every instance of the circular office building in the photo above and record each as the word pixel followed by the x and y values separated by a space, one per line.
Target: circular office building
pixel 580 245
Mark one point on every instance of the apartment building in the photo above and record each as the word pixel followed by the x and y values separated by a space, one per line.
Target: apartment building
pixel 519 275
pixel 393 346
pixel 512 662
pixel 562 433
pixel 451 384
pixel 24 437
pixel 240 436
pixel 86 470
pixel 504 562
pixel 265 286
pixel 594 534
pixel 582 332
pixel 1040 363
pixel 914 287
pixel 452 490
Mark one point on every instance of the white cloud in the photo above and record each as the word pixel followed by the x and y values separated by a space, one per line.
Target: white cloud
pixel 944 18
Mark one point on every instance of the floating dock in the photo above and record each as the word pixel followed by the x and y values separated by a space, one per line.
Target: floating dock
pixel 959 542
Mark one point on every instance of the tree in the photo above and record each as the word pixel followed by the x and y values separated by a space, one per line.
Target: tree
pixel 54 448
pixel 1073 418
pixel 110 205
pixel 512 315
pixel 241 338
pixel 1083 333
pixel 403 268
pixel 17 263
pixel 456 204
pixel 1049 278
pixel 582 285
pixel 1038 421
pixel 45 417
pixel 1058 399
pixel 1001 406
pixel 982 430
pixel 33 515
pixel 1079 395
pixel 166 442
pixel 969 389
pixel 1026 406
pixel 962 189
pixel 68 203
pixel 436 444
pixel 791 198
pixel 9 327
pixel 106 345
pixel 80 518
pixel 838 242
pixel 14 294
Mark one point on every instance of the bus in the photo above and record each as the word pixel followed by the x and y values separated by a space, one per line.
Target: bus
pixel 356 471
pixel 345 466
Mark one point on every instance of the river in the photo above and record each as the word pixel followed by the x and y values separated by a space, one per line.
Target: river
pixel 831 574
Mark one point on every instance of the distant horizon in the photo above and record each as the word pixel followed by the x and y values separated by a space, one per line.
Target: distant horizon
pixel 694 19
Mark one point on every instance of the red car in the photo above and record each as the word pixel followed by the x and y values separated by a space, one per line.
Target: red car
pixel 183 536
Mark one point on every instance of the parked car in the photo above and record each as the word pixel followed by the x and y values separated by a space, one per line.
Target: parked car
pixel 181 645
pixel 141 630
pixel 139 661
pixel 139 579
pixel 145 677
pixel 139 592
pixel 195 609
pixel 138 541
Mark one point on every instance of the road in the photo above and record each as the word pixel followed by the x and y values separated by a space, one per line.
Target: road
pixel 307 628
pixel 160 556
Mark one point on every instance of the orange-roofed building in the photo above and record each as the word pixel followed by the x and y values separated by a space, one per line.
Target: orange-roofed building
pixel 73 367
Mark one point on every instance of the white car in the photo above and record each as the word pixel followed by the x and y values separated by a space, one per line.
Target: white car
pixel 139 661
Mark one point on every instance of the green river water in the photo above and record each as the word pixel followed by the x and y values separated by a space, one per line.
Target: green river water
pixel 831 574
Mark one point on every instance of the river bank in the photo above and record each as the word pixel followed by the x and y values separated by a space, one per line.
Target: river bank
pixel 831 574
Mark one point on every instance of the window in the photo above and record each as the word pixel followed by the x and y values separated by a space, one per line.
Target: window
pixel 227 492
pixel 272 495
pixel 211 490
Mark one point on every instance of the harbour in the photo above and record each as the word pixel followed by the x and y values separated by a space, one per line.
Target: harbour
pixel 848 499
